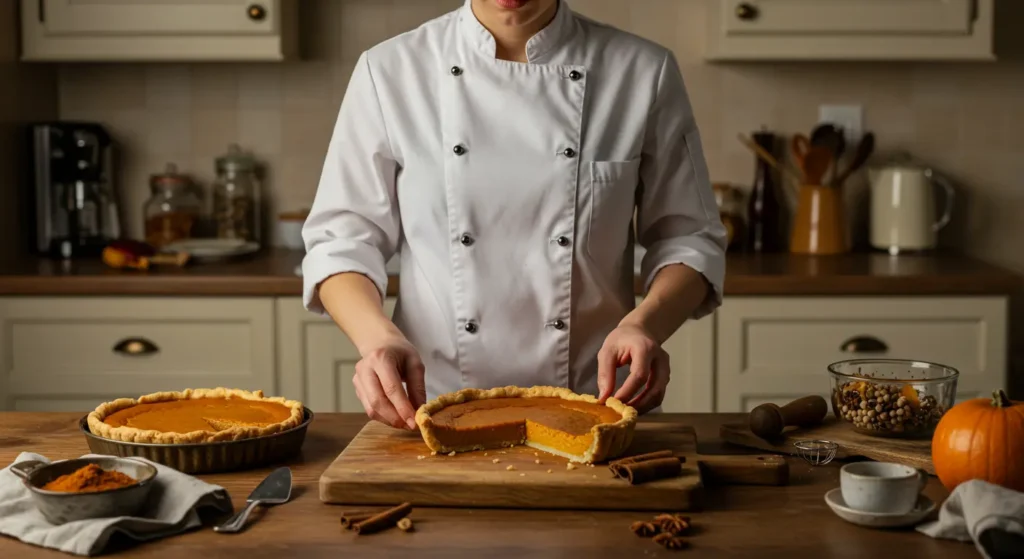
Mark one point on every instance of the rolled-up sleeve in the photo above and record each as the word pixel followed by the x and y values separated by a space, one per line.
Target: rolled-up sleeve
pixel 353 225
pixel 677 216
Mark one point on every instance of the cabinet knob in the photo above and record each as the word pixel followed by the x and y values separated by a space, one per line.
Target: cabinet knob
pixel 135 347
pixel 746 12
pixel 864 344
pixel 256 12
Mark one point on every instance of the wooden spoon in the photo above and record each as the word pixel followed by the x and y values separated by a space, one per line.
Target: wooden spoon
pixel 800 145
pixel 816 165
pixel 865 148
pixel 831 137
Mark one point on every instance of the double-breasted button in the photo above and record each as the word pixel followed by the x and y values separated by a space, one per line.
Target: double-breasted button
pixel 466 239
pixel 569 152
pixel 558 324
pixel 562 241
pixel 459 150
pixel 456 71
pixel 575 76
pixel 471 327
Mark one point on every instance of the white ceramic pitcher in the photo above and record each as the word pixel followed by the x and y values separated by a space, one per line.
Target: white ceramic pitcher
pixel 903 207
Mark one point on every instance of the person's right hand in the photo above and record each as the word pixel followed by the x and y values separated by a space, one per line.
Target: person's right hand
pixel 378 382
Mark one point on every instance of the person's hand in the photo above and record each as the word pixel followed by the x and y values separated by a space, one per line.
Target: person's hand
pixel 649 371
pixel 378 382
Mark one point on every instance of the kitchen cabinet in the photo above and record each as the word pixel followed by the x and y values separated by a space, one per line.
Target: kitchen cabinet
pixel 317 362
pixel 163 30
pixel 921 30
pixel 316 358
pixel 775 349
pixel 72 353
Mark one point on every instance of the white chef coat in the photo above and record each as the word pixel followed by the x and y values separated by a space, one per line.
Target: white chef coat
pixel 509 191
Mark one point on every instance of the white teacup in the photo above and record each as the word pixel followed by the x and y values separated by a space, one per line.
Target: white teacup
pixel 881 486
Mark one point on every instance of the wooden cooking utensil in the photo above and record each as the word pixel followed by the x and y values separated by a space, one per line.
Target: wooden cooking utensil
pixel 800 145
pixel 768 420
pixel 865 148
pixel 816 163
pixel 760 152
pixel 833 139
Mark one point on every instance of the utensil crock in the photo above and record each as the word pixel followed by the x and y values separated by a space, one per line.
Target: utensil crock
pixel 819 226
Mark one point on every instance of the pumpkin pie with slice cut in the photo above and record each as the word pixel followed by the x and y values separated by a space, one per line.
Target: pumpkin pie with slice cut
pixel 194 416
pixel 555 420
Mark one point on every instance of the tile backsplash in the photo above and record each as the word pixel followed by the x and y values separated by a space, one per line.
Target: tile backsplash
pixel 966 119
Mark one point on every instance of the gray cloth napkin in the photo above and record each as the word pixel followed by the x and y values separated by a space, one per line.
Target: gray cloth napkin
pixel 989 515
pixel 171 507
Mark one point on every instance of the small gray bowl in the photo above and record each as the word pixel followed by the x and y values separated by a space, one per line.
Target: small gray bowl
pixel 59 507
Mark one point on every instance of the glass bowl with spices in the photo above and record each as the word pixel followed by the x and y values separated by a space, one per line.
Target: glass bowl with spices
pixel 83 488
pixel 892 397
pixel 173 209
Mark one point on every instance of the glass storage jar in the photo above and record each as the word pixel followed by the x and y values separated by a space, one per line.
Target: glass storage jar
pixel 172 210
pixel 237 197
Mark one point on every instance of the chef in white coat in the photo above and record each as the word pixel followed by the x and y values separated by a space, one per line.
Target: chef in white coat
pixel 503 151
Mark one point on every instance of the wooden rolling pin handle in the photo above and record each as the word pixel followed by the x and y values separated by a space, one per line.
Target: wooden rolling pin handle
pixel 768 420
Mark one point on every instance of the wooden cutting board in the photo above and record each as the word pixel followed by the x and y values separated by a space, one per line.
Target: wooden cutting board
pixel 382 466
pixel 915 453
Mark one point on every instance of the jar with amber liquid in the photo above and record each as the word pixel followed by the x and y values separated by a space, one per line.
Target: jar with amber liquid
pixel 172 210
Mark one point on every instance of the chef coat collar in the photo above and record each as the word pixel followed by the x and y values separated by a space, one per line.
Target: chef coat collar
pixel 556 32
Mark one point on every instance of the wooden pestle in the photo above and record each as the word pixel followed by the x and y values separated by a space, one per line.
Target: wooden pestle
pixel 768 420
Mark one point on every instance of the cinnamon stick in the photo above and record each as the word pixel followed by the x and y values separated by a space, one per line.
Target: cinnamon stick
pixel 642 458
pixel 350 521
pixel 383 520
pixel 648 470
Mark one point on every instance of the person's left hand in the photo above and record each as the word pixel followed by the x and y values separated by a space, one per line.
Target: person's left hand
pixel 649 371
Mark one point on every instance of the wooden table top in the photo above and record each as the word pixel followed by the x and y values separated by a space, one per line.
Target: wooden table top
pixel 788 522
pixel 272 273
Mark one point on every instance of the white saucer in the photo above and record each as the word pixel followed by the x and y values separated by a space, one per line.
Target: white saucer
pixel 835 501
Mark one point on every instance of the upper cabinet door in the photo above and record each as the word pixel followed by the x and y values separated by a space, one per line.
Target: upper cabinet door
pixel 875 30
pixel 941 17
pixel 159 30
pixel 159 16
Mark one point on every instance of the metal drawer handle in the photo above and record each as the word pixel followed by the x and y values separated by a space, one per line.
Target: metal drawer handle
pixel 256 12
pixel 864 344
pixel 135 346
pixel 746 12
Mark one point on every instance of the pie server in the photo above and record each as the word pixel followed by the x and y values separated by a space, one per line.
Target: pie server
pixel 275 489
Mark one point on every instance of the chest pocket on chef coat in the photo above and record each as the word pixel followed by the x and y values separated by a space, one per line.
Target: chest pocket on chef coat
pixel 612 188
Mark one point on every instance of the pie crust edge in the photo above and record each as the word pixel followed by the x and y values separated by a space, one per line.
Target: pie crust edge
pixel 134 435
pixel 610 439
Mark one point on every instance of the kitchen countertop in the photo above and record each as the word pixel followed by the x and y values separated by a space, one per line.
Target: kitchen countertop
pixel 738 521
pixel 272 273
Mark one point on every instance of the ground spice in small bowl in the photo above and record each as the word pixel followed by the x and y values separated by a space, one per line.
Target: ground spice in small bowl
pixel 89 478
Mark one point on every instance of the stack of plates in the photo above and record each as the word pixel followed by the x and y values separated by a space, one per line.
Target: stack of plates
pixel 213 249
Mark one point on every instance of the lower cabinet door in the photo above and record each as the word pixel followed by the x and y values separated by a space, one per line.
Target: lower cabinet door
pixel 72 353
pixel 316 360
pixel 775 349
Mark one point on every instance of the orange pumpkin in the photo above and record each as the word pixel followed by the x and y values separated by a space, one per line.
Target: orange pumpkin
pixel 981 439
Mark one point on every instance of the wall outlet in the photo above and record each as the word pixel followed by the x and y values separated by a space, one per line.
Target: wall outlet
pixel 849 117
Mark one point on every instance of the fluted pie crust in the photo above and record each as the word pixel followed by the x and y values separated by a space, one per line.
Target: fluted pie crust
pixel 552 419
pixel 189 417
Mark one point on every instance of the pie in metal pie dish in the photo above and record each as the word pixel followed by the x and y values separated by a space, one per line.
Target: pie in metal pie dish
pixel 555 420
pixel 194 416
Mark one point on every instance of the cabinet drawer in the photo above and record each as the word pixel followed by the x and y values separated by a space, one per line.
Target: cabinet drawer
pixel 777 348
pixel 185 17
pixel 768 17
pixel 127 346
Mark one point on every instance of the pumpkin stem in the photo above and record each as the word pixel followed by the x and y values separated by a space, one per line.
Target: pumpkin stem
pixel 1000 399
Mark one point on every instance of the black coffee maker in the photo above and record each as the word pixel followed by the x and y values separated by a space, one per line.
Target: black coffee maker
pixel 76 212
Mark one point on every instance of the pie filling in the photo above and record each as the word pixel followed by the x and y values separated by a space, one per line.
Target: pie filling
pixel 203 414
pixel 551 424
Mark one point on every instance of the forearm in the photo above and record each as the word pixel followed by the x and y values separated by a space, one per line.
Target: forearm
pixel 354 304
pixel 676 292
